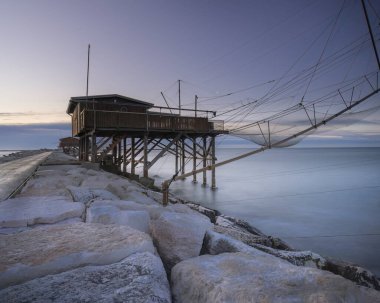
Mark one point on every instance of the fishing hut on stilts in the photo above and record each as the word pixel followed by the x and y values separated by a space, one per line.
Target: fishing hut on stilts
pixel 121 132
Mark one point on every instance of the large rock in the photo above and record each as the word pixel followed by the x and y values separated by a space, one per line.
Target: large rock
pixel 26 211
pixel 138 278
pixel 239 277
pixel 178 236
pixel 215 243
pixel 109 214
pixel 54 249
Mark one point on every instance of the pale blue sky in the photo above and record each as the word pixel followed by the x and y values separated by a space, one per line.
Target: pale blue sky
pixel 139 48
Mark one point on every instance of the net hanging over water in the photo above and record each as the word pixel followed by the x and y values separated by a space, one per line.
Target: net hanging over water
pixel 265 123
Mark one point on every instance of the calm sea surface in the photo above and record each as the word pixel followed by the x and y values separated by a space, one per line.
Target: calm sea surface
pixel 322 199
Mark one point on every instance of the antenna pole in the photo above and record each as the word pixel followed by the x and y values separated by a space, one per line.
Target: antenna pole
pixel 88 69
pixel 371 33
pixel 179 96
pixel 196 105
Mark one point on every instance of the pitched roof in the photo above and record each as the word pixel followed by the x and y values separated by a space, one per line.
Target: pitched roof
pixel 112 98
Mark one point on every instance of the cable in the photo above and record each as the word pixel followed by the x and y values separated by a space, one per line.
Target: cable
pixel 324 48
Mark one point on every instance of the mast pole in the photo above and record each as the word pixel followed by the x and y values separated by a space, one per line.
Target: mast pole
pixel 88 70
pixel 196 105
pixel 179 96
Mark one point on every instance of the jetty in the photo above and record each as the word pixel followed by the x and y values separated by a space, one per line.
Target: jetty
pixel 13 174
pixel 75 232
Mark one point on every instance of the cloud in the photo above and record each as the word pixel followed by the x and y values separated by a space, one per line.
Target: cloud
pixel 27 118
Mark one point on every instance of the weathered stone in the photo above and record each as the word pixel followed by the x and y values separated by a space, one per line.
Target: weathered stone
pixel 178 236
pixel 109 214
pixel 122 204
pixel 244 227
pixel 54 249
pixel 245 237
pixel 156 212
pixel 237 224
pixel 119 189
pixel 239 277
pixel 210 213
pixel 50 184
pixel 99 180
pixel 138 278
pixel 215 243
pixel 76 171
pixel 140 197
pixel 353 272
pixel 85 195
pixel 26 211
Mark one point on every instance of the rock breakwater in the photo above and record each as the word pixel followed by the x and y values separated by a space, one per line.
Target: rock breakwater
pixel 79 234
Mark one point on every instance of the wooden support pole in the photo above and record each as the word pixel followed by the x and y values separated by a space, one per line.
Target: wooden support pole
pixel 119 155
pixel 163 150
pixel 176 158
pixel 204 183
pixel 87 145
pixel 133 147
pixel 194 160
pixel 213 178
pixel 80 148
pixel 114 152
pixel 125 155
pixel 145 173
pixel 93 148
pixel 183 155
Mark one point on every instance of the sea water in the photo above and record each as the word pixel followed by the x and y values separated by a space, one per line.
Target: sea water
pixel 326 200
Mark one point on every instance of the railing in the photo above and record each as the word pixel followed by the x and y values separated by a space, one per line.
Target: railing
pixel 139 121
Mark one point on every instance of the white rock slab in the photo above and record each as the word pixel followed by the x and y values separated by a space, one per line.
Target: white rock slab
pixel 54 249
pixel 138 278
pixel 238 277
pixel 25 211
pixel 178 236
pixel 109 214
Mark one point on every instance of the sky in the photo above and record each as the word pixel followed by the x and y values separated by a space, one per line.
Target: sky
pixel 142 47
